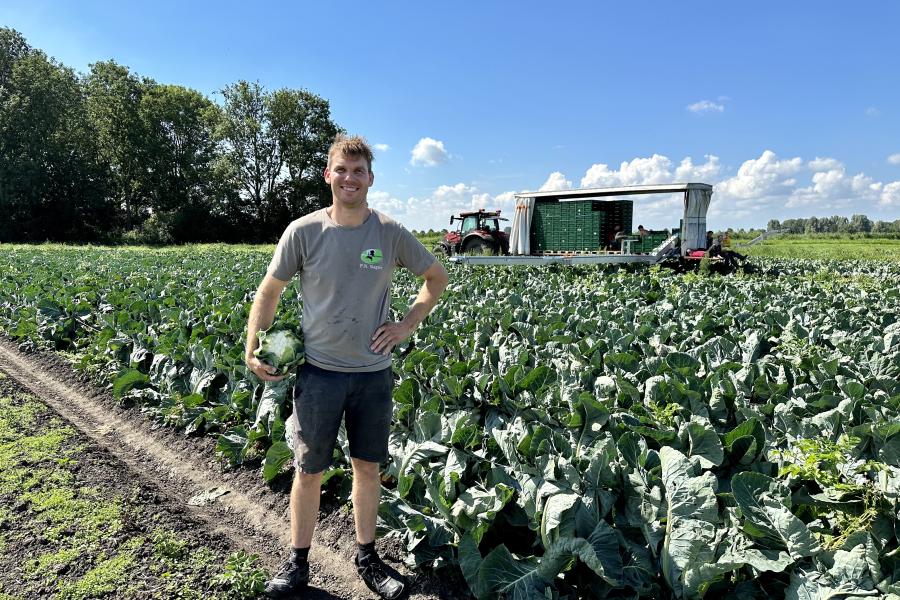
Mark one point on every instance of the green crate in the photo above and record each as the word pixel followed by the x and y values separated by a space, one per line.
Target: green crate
pixel 566 226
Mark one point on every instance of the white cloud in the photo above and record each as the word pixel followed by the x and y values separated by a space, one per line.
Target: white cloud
pixel 761 178
pixel 890 195
pixel 688 172
pixel 382 147
pixel 873 112
pixel 894 159
pixel 556 181
pixel 655 169
pixel 429 152
pixel 453 195
pixel 705 106
pixel 384 202
pixel 833 189
pixel 433 211
pixel 763 188
pixel 825 164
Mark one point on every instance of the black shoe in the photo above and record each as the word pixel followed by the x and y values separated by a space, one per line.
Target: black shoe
pixel 292 576
pixel 390 585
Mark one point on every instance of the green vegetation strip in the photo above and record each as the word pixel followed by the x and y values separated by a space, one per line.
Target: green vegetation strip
pixel 826 248
pixel 559 432
pixel 81 538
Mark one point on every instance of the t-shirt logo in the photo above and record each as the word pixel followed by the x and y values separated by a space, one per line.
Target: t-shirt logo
pixel 372 256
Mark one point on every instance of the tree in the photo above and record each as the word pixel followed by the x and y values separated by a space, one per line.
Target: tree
pixel 275 149
pixel 304 130
pixel 860 224
pixel 53 186
pixel 180 152
pixel 250 154
pixel 114 97
pixel 13 48
pixel 839 224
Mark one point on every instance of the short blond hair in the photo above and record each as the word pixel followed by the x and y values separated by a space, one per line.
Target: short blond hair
pixel 350 146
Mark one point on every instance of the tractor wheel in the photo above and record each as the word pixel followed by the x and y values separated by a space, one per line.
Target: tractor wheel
pixel 441 249
pixel 478 246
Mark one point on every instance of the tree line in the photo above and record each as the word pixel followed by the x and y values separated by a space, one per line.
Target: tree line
pixel 109 156
pixel 836 224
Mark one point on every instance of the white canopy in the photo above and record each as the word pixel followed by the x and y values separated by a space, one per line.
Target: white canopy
pixel 696 202
pixel 520 234
pixel 693 233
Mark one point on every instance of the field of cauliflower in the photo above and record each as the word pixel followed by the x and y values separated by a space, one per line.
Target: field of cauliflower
pixel 559 433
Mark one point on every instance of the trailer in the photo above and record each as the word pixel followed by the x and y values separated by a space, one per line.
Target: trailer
pixel 571 227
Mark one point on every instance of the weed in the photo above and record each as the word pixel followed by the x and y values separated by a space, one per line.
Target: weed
pixel 241 578
pixel 105 578
pixel 52 560
pixel 167 546
pixel 832 466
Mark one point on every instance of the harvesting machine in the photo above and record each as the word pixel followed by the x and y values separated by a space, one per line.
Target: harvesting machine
pixel 590 226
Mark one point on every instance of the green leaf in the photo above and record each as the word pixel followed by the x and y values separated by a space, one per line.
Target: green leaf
pixel 232 445
pixel 683 363
pixel 502 575
pixel 127 380
pixel 765 505
pixel 277 455
pixel 537 379
pixel 690 522
pixel 703 442
pixel 558 518
pixel 470 562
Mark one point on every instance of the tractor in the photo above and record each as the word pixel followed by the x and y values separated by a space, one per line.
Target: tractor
pixel 478 232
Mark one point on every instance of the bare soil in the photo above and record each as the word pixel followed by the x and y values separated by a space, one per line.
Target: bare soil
pixel 77 522
pixel 245 514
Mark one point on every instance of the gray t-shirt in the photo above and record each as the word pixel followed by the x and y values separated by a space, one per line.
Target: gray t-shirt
pixel 345 281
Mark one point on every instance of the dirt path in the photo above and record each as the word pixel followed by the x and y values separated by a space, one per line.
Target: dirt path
pixel 243 510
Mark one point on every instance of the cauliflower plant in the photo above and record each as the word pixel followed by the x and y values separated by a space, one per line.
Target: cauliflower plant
pixel 281 348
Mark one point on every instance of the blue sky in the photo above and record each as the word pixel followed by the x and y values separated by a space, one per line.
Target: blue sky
pixel 788 109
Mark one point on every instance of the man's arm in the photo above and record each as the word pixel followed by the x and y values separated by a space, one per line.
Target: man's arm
pixel 262 313
pixel 390 334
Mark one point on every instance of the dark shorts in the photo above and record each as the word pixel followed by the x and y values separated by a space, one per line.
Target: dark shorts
pixel 322 398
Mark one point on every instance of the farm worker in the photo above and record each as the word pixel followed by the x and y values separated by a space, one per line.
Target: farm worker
pixel 714 248
pixel 344 256
pixel 713 245
pixel 641 231
pixel 615 242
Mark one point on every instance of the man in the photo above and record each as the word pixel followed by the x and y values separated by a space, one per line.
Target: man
pixel 345 255
pixel 641 231
pixel 615 241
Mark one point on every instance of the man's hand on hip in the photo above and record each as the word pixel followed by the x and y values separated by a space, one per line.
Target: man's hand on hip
pixel 389 335
pixel 262 370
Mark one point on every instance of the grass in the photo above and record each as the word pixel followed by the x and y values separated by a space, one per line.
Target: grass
pixel 826 248
pixel 814 246
pixel 430 241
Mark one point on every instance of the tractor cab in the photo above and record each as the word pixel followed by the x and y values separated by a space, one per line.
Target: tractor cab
pixel 478 232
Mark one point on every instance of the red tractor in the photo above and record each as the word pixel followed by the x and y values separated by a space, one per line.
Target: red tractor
pixel 478 233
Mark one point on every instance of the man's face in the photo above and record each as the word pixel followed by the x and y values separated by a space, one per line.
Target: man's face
pixel 350 179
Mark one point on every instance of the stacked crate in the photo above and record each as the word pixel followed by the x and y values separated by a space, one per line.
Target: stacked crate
pixel 651 240
pixel 616 212
pixel 567 226
pixel 545 227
